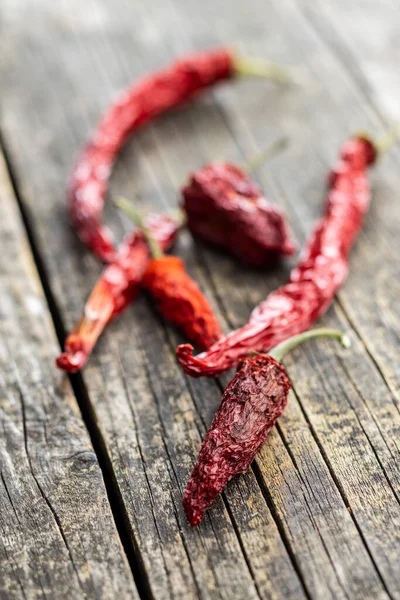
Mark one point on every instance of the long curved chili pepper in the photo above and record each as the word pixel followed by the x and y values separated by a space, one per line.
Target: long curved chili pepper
pixel 251 403
pixel 117 286
pixel 226 209
pixel 137 106
pixel 176 294
pixel 88 182
pixel 313 283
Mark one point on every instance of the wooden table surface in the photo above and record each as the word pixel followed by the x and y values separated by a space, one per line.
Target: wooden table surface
pixel 93 468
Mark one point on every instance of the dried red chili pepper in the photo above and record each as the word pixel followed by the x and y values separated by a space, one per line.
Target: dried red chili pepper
pixel 117 286
pixel 225 208
pixel 313 283
pixel 251 403
pixel 140 104
pixel 176 294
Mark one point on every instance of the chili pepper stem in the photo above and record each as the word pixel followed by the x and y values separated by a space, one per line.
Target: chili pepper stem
pixel 265 155
pixel 259 67
pixel 279 351
pixel 179 216
pixel 154 246
pixel 387 140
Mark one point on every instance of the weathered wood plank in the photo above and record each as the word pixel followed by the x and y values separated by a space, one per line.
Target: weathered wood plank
pixel 360 51
pixel 366 43
pixel 58 537
pixel 146 414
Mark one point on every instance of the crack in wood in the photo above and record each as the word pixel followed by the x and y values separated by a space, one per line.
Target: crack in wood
pixel 9 497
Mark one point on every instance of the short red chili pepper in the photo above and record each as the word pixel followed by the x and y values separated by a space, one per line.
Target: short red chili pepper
pixel 313 283
pixel 226 209
pixel 176 294
pixel 180 300
pixel 139 105
pixel 117 286
pixel 251 403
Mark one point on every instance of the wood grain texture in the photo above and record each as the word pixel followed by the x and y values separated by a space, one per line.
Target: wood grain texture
pixel 319 514
pixel 54 512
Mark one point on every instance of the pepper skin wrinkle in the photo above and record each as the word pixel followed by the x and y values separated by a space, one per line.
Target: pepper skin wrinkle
pixel 116 288
pixel 226 209
pixel 250 406
pixel 312 285
pixel 180 300
pixel 139 105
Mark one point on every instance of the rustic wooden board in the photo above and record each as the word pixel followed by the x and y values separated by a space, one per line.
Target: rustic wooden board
pixel 319 514
pixel 54 512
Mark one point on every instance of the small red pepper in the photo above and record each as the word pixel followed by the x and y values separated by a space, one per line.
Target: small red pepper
pixel 176 294
pixel 117 286
pixel 180 300
pixel 251 403
pixel 313 283
pixel 226 209
pixel 138 106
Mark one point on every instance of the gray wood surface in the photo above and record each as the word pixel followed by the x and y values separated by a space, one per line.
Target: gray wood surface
pixel 318 516
pixel 54 511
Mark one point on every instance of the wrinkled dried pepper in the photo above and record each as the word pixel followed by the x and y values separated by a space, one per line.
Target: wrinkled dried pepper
pixel 251 403
pixel 226 209
pixel 139 105
pixel 177 295
pixel 117 286
pixel 313 283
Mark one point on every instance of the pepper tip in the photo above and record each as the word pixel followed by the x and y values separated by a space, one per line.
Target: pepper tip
pixel 71 362
pixel 184 351
pixel 193 514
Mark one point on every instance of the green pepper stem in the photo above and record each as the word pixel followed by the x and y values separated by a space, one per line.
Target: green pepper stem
pixel 279 351
pixel 130 210
pixel 259 67
pixel 265 155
